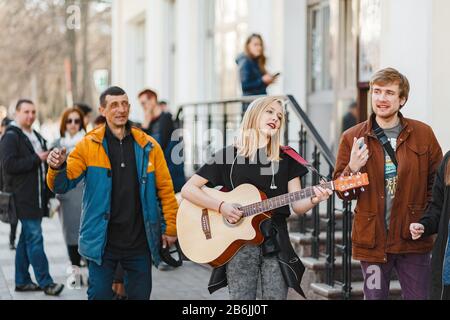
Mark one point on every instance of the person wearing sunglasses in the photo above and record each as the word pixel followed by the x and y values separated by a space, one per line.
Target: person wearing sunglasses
pixel 72 130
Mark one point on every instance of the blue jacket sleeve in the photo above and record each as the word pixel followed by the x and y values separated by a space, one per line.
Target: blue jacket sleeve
pixel 249 78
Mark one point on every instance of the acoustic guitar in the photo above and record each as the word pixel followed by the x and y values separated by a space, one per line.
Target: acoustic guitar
pixel 205 236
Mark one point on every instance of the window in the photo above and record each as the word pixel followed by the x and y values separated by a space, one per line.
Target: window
pixel 369 38
pixel 136 54
pixel 319 48
pixel 230 33
pixel 140 54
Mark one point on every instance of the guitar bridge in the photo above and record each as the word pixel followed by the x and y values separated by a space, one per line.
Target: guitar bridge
pixel 206 226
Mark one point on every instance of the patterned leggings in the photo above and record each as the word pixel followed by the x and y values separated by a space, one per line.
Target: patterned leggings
pixel 248 268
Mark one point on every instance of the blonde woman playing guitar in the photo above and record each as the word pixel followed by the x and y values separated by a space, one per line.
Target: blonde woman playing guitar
pixel 256 158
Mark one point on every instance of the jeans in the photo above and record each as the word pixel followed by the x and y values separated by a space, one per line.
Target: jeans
pixel 30 250
pixel 413 271
pixel 138 284
pixel 248 269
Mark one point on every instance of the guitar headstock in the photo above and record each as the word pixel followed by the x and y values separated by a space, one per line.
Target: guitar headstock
pixel 355 181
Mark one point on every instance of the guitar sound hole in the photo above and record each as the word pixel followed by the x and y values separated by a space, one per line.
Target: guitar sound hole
pixel 232 225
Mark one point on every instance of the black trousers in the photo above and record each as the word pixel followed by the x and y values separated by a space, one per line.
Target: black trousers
pixel 74 256
pixel 12 234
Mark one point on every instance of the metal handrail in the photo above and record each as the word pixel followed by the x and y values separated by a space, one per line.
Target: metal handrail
pixel 316 137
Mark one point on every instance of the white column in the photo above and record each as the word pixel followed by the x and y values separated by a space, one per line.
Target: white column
pixel 295 49
pixel 440 71
pixel 117 42
pixel 155 45
pixel 405 45
pixel 414 40
pixel 190 68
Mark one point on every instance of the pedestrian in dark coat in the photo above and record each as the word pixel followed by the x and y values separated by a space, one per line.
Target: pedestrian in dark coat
pixel 436 221
pixel 23 155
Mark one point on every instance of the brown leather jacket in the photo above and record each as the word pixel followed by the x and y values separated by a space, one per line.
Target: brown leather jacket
pixel 418 154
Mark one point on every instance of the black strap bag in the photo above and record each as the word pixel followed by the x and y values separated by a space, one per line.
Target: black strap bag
pixel 379 132
pixel 7 207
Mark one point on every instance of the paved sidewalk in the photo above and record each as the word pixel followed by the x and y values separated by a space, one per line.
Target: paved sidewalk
pixel 188 282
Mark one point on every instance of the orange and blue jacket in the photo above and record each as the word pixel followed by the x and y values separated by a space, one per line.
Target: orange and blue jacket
pixel 89 161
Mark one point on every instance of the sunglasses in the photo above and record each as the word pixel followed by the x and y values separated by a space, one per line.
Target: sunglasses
pixel 75 121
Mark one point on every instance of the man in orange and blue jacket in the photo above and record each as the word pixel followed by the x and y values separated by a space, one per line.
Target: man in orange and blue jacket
pixel 127 185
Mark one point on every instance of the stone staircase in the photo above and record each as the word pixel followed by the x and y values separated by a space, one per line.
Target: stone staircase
pixel 313 282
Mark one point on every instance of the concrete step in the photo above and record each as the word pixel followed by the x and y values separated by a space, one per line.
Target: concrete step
pixel 321 291
pixel 306 238
pixel 316 271
pixel 302 242
pixel 294 222
pixel 320 264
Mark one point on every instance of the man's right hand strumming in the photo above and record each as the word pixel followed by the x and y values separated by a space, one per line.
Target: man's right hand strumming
pixel 56 158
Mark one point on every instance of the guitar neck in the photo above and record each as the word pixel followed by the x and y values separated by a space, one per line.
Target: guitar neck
pixel 281 201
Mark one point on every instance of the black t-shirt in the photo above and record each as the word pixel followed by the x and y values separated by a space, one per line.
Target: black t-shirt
pixel 126 232
pixel 258 173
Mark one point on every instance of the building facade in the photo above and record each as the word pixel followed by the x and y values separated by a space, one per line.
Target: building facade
pixel 326 51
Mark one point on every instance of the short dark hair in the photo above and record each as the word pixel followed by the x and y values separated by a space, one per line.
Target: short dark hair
pixel 21 102
pixel 353 105
pixel 85 108
pixel 99 120
pixel 164 102
pixel 111 91
pixel 6 121
pixel 149 93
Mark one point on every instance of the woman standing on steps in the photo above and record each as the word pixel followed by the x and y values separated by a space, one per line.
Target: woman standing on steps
pixel 256 158
pixel 254 77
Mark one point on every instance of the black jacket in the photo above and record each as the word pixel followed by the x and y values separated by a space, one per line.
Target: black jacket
pixel 436 220
pixel 23 174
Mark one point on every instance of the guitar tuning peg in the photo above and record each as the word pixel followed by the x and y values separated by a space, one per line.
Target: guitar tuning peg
pixel 346 193
pixel 362 189
pixel 354 192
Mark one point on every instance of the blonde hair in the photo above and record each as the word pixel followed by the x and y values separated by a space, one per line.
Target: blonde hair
pixel 247 141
